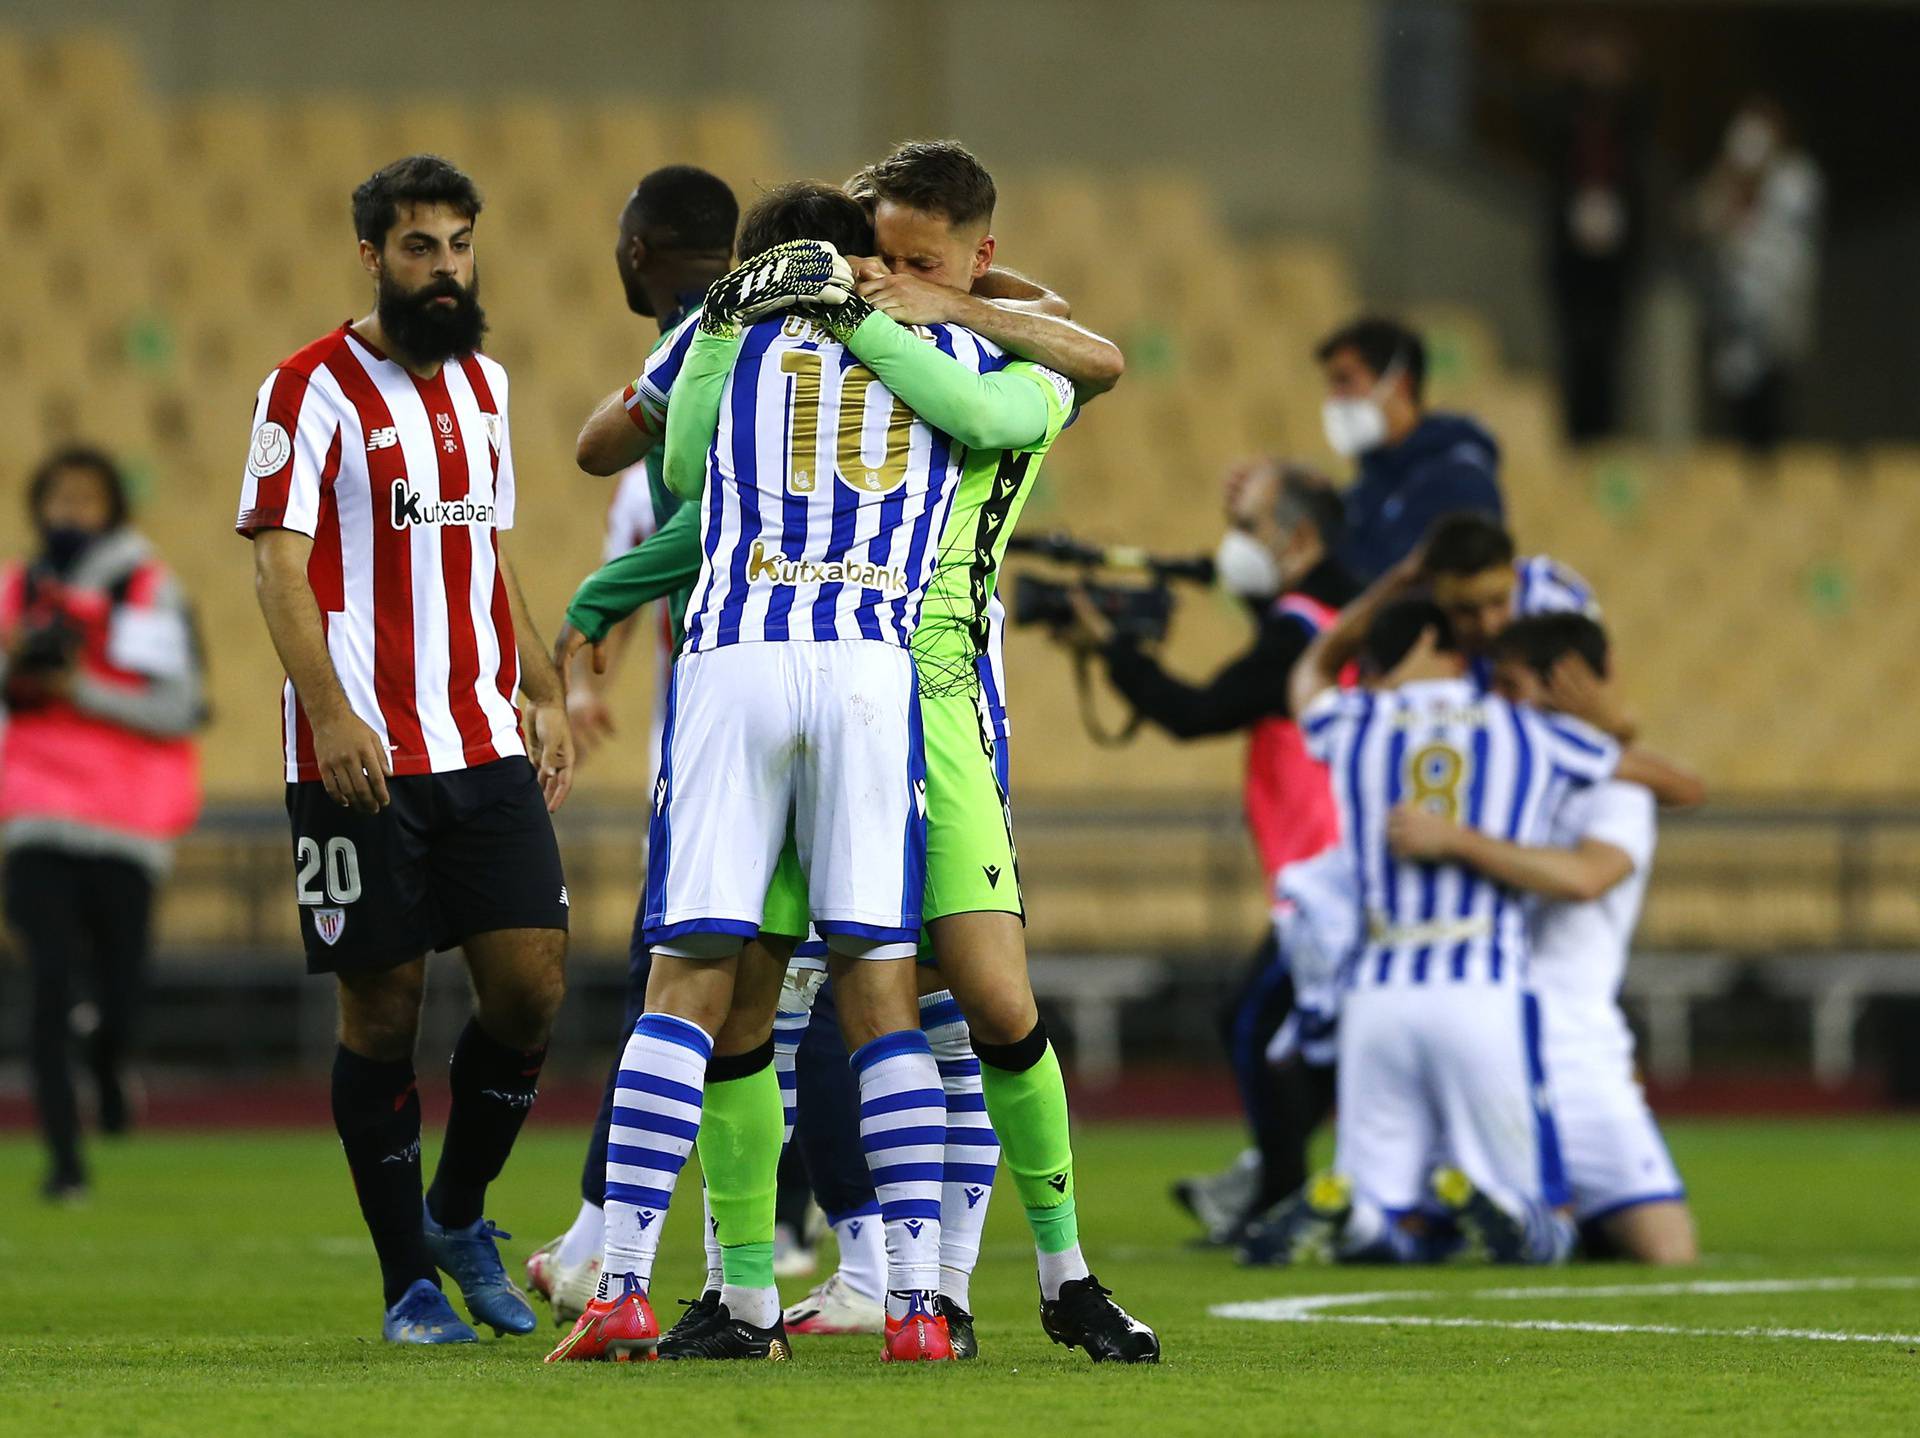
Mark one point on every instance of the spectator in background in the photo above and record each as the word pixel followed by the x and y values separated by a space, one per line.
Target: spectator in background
pixel 1284 524
pixel 1759 211
pixel 1596 134
pixel 101 675
pixel 1414 466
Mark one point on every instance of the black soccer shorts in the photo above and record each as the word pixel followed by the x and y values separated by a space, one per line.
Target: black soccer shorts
pixel 453 855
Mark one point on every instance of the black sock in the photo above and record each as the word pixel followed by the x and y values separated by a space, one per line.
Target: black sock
pixel 376 1110
pixel 493 1088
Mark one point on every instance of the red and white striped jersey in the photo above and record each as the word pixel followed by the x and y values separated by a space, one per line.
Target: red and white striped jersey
pixel 403 484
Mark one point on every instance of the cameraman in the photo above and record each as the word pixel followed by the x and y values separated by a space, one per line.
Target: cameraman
pixel 101 675
pixel 1284 524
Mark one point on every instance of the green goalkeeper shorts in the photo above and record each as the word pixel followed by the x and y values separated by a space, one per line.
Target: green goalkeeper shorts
pixel 970 856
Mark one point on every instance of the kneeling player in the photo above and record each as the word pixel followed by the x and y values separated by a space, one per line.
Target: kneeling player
pixel 1590 880
pixel 1438 1055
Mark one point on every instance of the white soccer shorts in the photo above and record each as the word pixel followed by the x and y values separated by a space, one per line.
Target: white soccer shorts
pixel 1442 1073
pixel 825 733
pixel 1614 1155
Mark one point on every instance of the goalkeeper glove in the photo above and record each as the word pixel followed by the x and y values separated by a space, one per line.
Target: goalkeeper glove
pixel 801 272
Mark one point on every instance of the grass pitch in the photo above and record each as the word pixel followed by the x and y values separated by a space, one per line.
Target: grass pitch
pixel 221 1284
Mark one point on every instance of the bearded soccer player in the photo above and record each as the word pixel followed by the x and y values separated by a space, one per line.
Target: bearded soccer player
pixel 378 480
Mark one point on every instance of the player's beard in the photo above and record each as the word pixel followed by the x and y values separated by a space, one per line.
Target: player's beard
pixel 430 333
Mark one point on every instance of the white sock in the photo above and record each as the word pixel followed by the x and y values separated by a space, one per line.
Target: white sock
pixel 955 1286
pixel 656 1116
pixel 972 1152
pixel 1366 1225
pixel 758 1306
pixel 1059 1268
pixel 584 1239
pixel 903 1127
pixel 711 1232
pixel 863 1251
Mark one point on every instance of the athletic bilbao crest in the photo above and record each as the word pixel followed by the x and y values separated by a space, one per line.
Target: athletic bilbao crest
pixel 329 924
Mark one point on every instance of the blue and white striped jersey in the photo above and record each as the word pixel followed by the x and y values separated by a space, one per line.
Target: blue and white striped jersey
pixel 1447 745
pixel 825 495
pixel 1541 586
pixel 1548 587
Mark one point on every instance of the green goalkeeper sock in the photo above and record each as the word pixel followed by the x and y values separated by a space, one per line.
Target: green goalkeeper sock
pixel 742 1119
pixel 1027 1103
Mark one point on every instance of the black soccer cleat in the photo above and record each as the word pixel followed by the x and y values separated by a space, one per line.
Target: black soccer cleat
pixel 721 1335
pixel 1085 1316
pixel 959 1327
pixel 700 1312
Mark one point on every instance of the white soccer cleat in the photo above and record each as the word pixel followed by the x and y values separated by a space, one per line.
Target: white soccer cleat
pixel 836 1307
pixel 573 1289
pixel 792 1256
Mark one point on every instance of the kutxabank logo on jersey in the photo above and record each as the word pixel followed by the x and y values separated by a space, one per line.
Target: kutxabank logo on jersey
pixel 765 566
pixel 409 509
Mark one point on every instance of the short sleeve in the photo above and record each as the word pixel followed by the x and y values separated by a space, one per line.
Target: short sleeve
pixel 1056 389
pixel 505 490
pixel 292 455
pixel 646 398
pixel 1331 714
pixel 1574 749
pixel 1623 815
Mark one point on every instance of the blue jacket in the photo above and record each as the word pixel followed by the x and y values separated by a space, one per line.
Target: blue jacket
pixel 1448 463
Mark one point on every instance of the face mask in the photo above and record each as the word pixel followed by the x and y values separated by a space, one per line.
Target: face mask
pixel 62 546
pixel 1354 426
pixel 1245 567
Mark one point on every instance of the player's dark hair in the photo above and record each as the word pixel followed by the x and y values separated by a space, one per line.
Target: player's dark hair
pixel 941 177
pixel 416 180
pixel 683 207
pixel 1541 641
pixel 1397 628
pixel 1381 343
pixel 806 210
pixel 80 456
pixel 1467 542
pixel 1307 496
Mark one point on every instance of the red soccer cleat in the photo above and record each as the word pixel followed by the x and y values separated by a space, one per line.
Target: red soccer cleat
pixel 920 1336
pixel 621 1329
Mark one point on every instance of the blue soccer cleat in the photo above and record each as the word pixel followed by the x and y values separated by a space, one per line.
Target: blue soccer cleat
pixel 468 1256
pixel 423 1315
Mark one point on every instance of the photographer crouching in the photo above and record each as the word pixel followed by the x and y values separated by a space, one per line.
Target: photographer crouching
pixel 1284 524
pixel 101 676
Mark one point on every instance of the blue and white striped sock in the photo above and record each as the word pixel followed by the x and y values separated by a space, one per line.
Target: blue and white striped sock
pixel 656 1117
pixel 903 1127
pixel 972 1151
pixel 788 1030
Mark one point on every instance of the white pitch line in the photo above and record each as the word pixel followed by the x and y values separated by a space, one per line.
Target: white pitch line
pixel 1550 1325
pixel 1311 1308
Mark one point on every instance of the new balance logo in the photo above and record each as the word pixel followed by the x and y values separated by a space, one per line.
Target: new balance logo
pixel 647 1217
pixel 409 1154
pixel 992 871
pixel 974 1195
pixel 521 1099
pixel 1058 1183
pixel 385 437
pixel 565 902
pixel 913 1227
